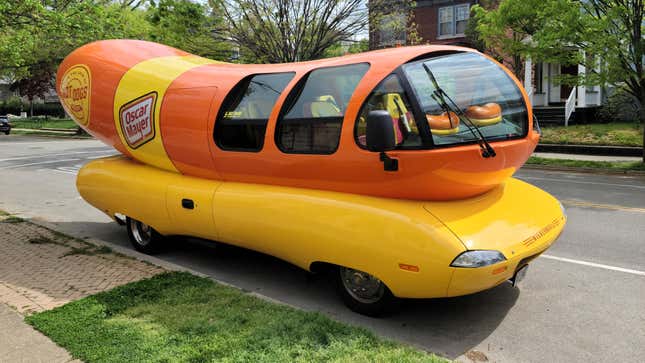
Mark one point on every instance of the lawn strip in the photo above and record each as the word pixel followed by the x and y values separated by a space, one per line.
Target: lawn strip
pixel 609 134
pixel 41 123
pixel 177 316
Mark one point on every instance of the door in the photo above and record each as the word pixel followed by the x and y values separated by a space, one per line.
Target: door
pixel 190 207
pixel 565 90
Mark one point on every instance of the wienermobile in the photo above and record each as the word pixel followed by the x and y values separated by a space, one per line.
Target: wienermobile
pixel 392 169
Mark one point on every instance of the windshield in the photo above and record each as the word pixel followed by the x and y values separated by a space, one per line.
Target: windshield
pixel 484 93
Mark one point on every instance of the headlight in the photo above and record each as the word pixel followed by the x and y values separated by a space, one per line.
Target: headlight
pixel 478 258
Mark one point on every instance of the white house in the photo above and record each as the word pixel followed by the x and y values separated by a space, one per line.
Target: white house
pixel 557 103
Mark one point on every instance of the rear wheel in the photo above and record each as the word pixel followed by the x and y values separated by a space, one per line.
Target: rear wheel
pixel 364 293
pixel 143 237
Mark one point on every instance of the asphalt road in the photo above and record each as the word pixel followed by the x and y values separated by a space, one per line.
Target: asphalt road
pixel 584 301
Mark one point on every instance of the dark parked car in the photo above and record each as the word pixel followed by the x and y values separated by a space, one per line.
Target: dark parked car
pixel 5 126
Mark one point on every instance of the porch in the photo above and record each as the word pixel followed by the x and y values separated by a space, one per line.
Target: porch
pixel 557 103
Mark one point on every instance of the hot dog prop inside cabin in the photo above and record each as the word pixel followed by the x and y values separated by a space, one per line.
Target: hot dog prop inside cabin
pixel 305 124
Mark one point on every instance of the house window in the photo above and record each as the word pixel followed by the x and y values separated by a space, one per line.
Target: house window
pixel 453 20
pixel 242 123
pixel 445 21
pixel 311 119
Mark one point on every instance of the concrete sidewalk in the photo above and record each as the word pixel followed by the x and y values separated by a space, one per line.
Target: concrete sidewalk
pixel 19 342
pixel 40 270
pixel 586 157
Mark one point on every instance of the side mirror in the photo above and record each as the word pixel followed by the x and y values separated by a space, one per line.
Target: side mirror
pixel 381 137
pixel 380 134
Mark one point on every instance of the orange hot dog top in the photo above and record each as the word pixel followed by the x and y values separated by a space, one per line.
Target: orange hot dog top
pixel 176 111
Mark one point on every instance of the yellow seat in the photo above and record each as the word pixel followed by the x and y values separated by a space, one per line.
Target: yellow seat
pixel 325 106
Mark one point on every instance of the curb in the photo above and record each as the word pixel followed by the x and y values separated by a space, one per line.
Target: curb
pixel 52 135
pixel 583 170
pixel 600 150
pixel 47 131
pixel 156 261
pixel 122 250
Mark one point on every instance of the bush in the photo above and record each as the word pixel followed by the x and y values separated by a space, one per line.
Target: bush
pixel 620 106
pixel 14 105
pixel 11 105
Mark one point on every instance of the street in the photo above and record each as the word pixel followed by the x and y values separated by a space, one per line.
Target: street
pixel 582 301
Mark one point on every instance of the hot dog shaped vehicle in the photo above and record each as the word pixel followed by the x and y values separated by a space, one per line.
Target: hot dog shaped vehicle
pixel 391 168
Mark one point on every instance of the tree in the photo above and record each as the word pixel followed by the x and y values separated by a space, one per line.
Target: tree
pixel 569 32
pixel 392 23
pixel 277 31
pixel 504 30
pixel 189 26
pixel 615 29
pixel 342 48
pixel 39 34
pixel 38 84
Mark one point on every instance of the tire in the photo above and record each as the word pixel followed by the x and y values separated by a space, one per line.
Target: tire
pixel 7 132
pixel 143 237
pixel 364 293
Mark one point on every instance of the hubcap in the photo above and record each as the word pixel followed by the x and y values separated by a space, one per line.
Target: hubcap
pixel 361 285
pixel 141 232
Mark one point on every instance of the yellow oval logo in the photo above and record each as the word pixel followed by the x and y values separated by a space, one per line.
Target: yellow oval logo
pixel 75 90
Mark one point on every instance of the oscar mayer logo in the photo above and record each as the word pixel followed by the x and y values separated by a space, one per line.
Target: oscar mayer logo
pixel 75 90
pixel 138 120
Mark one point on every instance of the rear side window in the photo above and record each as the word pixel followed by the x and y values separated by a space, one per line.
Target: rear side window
pixel 242 121
pixel 313 114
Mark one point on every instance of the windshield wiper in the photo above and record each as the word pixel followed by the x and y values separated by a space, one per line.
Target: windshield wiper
pixel 440 96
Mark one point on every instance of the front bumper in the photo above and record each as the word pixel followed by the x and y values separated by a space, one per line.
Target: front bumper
pixel 471 280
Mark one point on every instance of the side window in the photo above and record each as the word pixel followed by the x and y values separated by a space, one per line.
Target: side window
pixel 311 121
pixel 243 117
pixel 390 96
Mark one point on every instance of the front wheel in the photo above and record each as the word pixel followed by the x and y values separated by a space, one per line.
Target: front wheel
pixel 143 237
pixel 364 293
pixel 7 132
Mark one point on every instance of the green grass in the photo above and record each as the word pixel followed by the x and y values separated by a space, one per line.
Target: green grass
pixel 39 123
pixel 588 164
pixel 11 219
pixel 615 134
pixel 178 317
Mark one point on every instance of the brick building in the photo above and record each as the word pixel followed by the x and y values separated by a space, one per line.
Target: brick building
pixel 437 21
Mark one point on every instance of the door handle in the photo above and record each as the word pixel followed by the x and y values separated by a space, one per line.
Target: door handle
pixel 187 203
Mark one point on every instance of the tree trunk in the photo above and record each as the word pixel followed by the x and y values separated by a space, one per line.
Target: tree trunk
pixel 641 114
pixel 641 120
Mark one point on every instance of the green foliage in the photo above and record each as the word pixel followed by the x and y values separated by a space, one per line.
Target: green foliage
pixel 14 106
pixel 392 23
pixel 620 106
pixel 606 36
pixel 42 33
pixel 179 317
pixel 570 32
pixel 35 35
pixel 340 49
pixel 189 26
